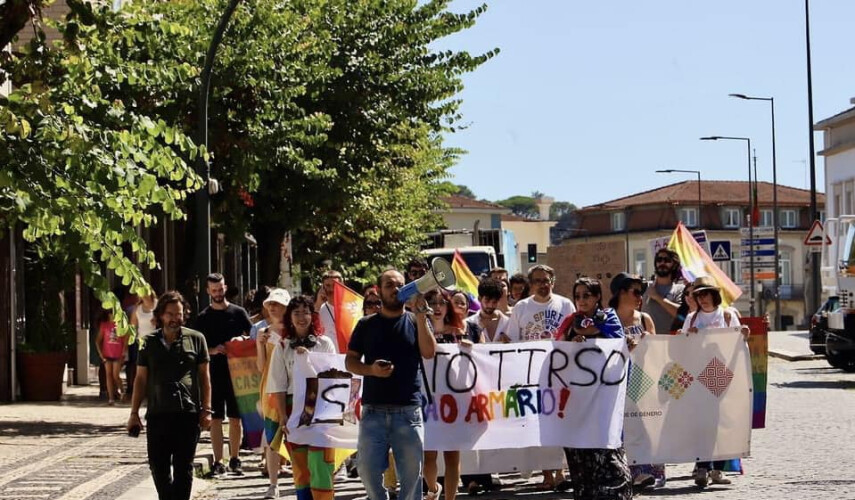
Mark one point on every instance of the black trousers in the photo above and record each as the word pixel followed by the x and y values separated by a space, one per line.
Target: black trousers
pixel 172 443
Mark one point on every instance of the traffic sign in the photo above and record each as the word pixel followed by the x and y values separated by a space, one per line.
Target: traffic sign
pixel 759 275
pixel 745 254
pixel 758 241
pixel 721 251
pixel 757 231
pixel 814 236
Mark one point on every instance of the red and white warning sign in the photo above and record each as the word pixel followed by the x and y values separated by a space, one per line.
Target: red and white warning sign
pixel 814 236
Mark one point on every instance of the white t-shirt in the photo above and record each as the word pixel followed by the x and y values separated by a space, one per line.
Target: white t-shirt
pixel 328 323
pixel 280 378
pixel 713 319
pixel 501 327
pixel 532 320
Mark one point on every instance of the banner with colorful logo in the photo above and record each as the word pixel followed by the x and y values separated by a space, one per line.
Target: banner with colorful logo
pixel 689 398
pixel 347 309
pixel 696 263
pixel 246 381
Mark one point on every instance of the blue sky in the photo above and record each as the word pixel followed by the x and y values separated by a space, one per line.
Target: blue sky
pixel 588 98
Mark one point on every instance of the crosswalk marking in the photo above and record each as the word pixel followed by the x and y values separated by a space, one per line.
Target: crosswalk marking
pixel 86 489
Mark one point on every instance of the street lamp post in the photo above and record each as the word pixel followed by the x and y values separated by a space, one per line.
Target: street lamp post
pixel 750 222
pixel 814 296
pixel 676 170
pixel 771 101
pixel 202 253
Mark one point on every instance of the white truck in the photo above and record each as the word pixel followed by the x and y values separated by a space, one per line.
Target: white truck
pixel 838 279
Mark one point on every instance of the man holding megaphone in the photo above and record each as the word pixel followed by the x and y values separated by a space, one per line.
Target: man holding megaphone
pixel 386 350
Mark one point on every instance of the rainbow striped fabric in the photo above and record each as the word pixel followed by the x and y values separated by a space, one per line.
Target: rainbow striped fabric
pixel 466 281
pixel 696 263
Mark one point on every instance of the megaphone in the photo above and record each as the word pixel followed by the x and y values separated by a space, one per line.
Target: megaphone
pixel 439 275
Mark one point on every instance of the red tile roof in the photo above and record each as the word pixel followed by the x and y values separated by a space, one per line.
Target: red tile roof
pixel 455 201
pixel 712 192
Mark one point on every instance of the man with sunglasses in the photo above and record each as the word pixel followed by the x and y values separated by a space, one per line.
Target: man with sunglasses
pixel 663 297
pixel 416 268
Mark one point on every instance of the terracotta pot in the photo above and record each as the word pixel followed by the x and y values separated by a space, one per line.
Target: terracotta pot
pixel 40 375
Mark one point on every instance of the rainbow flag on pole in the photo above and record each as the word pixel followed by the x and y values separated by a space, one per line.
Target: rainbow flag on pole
pixel 696 263
pixel 466 281
pixel 347 309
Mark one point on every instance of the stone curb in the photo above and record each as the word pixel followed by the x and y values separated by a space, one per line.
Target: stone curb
pixel 791 356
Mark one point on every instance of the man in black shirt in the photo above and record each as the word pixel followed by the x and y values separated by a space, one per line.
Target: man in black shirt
pixel 221 322
pixel 172 374
pixel 385 349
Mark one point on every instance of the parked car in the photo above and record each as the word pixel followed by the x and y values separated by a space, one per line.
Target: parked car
pixel 819 325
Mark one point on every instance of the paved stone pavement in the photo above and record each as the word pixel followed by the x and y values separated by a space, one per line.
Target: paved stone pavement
pixel 77 449
pixel 73 450
pixel 806 451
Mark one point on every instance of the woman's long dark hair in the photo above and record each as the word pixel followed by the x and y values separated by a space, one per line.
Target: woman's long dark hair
pixel 288 329
pixel 593 286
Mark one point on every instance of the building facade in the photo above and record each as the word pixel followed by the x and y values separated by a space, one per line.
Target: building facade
pixel 640 219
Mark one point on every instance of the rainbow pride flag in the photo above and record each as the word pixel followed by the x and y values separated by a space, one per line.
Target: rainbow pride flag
pixel 246 381
pixel 466 281
pixel 347 309
pixel 696 263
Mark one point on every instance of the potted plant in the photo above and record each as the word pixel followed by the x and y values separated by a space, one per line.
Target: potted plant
pixel 48 337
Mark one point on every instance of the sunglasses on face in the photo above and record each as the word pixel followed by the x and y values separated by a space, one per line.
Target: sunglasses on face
pixel 416 272
pixel 437 303
pixel 583 296
pixel 635 291
pixel 663 259
pixel 373 303
pixel 702 293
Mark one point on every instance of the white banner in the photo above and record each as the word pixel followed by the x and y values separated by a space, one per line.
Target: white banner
pixel 542 393
pixel 689 398
pixel 326 402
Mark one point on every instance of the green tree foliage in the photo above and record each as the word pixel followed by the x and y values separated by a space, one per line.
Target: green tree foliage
pixel 560 209
pixel 81 167
pixel 522 206
pixel 326 121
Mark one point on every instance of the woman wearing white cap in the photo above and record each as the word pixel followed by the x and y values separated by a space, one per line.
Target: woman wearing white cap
pixel 710 314
pixel 267 339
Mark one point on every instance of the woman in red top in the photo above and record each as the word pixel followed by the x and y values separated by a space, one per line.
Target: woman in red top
pixel 111 349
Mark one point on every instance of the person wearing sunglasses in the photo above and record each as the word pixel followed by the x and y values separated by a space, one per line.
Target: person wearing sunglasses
pixel 416 268
pixel 596 473
pixel 710 314
pixel 448 328
pixel 662 299
pixel 627 290
pixel 536 318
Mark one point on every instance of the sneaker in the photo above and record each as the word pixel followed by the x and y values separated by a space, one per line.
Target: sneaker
pixel 235 465
pixel 659 483
pixel 643 481
pixel 218 469
pixel 272 491
pixel 702 477
pixel 434 495
pixel 341 475
pixel 717 477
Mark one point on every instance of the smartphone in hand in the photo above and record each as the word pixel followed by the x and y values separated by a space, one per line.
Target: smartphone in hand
pixel 134 431
pixel 384 363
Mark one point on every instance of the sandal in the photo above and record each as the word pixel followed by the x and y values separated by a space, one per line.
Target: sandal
pixel 545 486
